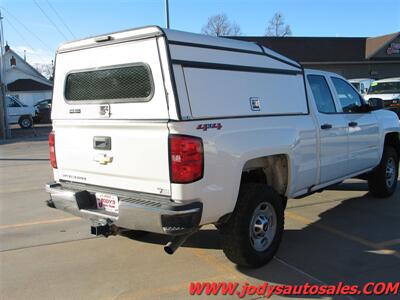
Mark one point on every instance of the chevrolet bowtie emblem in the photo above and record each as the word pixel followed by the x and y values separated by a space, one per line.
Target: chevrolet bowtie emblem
pixel 103 159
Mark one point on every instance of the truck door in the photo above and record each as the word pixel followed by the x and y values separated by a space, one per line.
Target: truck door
pixel 332 129
pixel 363 128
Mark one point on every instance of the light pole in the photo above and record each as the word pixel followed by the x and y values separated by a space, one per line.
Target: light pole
pixel 167 12
pixel 4 130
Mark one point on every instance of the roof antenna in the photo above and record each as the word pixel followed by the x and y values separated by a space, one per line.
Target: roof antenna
pixel 24 54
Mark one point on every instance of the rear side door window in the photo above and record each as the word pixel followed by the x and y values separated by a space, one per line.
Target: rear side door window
pixel 350 100
pixel 322 94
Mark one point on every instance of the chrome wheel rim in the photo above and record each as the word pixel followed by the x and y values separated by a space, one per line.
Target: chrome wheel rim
pixel 262 226
pixel 390 172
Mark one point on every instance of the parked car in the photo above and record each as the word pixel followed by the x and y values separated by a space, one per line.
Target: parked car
pixel 20 113
pixel 42 111
pixel 387 90
pixel 361 84
pixel 168 131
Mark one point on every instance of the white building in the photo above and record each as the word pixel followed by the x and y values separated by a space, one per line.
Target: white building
pixel 23 80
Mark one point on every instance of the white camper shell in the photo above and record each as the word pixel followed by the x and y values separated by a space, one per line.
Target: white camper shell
pixel 202 72
pixel 187 65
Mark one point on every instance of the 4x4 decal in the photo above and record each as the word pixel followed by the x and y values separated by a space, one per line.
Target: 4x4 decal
pixel 205 127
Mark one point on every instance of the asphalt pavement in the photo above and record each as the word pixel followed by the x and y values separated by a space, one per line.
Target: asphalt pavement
pixel 342 234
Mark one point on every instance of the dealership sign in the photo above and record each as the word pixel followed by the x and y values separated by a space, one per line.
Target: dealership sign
pixel 394 48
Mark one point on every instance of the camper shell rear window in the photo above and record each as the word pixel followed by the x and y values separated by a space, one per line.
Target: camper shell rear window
pixel 126 83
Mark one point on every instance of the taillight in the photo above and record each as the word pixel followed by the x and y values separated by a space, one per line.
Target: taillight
pixel 52 147
pixel 186 158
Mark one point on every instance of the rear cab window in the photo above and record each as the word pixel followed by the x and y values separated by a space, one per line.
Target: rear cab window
pixel 127 83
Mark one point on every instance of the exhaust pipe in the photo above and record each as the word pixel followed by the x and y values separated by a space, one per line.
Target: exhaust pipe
pixel 175 243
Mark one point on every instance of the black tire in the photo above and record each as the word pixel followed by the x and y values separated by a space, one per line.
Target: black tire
pixel 25 122
pixel 36 119
pixel 378 182
pixel 284 202
pixel 236 233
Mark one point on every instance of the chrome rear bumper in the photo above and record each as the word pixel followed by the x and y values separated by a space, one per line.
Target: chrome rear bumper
pixel 137 211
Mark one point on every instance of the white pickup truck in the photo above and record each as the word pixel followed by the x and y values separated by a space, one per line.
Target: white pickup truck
pixel 165 131
pixel 387 91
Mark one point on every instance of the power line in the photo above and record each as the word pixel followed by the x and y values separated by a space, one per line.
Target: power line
pixel 26 41
pixel 19 33
pixel 61 19
pixel 27 28
pixel 50 20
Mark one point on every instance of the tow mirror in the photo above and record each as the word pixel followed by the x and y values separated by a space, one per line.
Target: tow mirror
pixel 376 103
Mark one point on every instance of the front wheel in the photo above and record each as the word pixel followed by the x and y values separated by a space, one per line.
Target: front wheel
pixel 253 233
pixel 382 181
pixel 25 122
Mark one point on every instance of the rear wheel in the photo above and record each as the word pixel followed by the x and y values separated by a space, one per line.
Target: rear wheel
pixel 25 122
pixel 382 181
pixel 253 233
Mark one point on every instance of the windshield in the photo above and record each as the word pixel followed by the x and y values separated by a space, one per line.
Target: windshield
pixel 12 101
pixel 391 87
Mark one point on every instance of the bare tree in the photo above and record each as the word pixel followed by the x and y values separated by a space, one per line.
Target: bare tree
pixel 236 30
pixel 219 25
pixel 277 26
pixel 45 69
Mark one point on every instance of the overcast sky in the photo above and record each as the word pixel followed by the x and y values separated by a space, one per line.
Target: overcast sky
pixel 39 26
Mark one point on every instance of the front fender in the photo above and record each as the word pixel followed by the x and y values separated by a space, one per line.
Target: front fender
pixel 389 122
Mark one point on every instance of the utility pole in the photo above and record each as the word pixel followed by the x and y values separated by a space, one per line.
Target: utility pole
pixel 4 130
pixel 167 12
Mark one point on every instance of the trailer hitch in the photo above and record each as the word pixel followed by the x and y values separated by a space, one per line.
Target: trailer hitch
pixel 104 230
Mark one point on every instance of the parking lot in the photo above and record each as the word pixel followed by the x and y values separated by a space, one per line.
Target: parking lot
pixel 342 234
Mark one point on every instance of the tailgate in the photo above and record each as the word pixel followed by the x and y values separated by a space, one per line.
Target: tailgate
pixel 138 159
pixel 110 116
